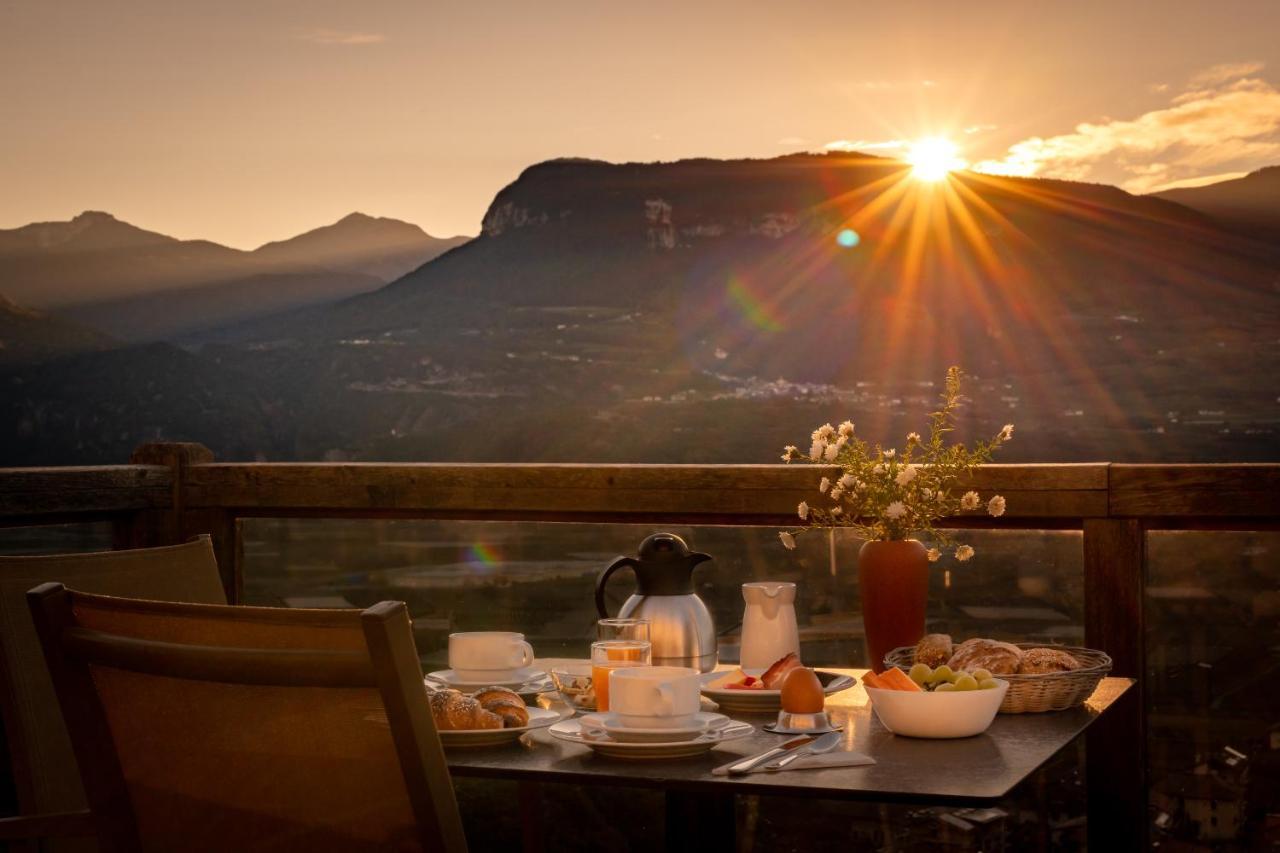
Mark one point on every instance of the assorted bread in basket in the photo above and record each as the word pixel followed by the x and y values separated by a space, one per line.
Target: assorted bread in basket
pixel 1041 678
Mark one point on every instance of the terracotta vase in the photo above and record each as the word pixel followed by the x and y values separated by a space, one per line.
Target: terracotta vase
pixel 894 579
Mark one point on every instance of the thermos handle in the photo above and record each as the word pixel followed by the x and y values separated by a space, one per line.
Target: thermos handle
pixel 604 576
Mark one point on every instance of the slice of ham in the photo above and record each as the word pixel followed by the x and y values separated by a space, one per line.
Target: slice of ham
pixel 774 675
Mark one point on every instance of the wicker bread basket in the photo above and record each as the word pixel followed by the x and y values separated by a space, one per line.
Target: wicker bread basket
pixel 1031 694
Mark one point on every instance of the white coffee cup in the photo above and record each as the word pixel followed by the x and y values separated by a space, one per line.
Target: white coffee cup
pixel 654 697
pixel 488 656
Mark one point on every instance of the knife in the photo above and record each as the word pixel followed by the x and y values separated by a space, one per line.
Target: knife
pixel 747 764
pixel 824 743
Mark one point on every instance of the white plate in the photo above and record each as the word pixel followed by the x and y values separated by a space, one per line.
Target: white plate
pixel 571 731
pixel 765 701
pixel 609 724
pixel 539 718
pixel 528 680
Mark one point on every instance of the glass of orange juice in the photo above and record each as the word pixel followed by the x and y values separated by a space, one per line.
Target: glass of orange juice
pixel 608 655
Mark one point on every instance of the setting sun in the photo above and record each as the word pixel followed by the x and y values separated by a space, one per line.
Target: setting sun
pixel 932 157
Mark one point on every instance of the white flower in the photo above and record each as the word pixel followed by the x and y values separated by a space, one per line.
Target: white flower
pixel 964 552
pixel 927 494
pixel 823 485
pixel 787 452
pixel 970 500
pixel 933 554
pixel 831 452
pixel 837 510
pixel 847 481
pixel 942 496
pixel 815 449
pixel 906 475
pixel 890 453
pixel 995 506
pixel 895 510
pixel 879 469
pixel 913 438
pixel 823 432
pixel 846 429
pixel 788 541
pixel 1007 432
pixel 842 441
pixel 836 493
pixel 803 511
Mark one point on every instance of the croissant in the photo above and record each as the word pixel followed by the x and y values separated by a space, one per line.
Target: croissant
pixel 452 710
pixel 934 649
pixel 507 704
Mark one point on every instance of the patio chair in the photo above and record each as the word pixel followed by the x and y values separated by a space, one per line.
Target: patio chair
pixel 216 728
pixel 44 768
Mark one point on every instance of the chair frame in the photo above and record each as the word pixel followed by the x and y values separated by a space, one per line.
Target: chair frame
pixel 392 666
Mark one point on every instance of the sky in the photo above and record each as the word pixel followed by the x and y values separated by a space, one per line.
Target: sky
pixel 245 122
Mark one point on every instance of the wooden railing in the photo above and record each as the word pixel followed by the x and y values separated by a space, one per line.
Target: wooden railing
pixel 170 492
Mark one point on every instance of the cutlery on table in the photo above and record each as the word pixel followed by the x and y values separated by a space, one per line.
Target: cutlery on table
pixel 825 743
pixel 748 764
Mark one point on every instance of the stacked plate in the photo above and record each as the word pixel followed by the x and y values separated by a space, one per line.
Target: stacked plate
pixel 527 682
pixel 604 735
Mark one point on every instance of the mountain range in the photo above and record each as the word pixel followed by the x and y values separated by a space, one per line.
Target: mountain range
pixel 140 285
pixel 711 311
pixel 1249 205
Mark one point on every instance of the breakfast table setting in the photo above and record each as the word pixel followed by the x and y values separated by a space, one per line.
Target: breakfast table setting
pixel 635 714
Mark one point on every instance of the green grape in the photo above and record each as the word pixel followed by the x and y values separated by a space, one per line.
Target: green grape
pixel 966 682
pixel 980 674
pixel 921 673
pixel 987 684
pixel 942 673
pixel 944 687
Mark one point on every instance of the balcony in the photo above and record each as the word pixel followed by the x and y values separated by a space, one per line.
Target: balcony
pixel 1171 569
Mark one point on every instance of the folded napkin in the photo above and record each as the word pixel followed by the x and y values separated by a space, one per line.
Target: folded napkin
pixel 809 762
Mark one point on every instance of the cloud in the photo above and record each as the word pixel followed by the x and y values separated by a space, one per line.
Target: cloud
pixel 792 140
pixel 980 128
pixel 1219 74
pixel 329 37
pixel 863 144
pixel 1233 124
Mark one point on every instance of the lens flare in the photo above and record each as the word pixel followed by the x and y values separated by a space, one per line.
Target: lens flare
pixel 848 238
pixel 481 557
pixel 933 157
pixel 751 306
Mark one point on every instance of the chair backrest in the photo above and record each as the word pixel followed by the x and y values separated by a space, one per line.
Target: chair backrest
pixel 215 728
pixel 44 766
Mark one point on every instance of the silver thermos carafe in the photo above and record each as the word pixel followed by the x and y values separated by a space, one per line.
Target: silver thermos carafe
pixel 680 626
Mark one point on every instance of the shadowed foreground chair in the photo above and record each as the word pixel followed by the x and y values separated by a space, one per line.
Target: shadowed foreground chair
pixel 44 767
pixel 215 728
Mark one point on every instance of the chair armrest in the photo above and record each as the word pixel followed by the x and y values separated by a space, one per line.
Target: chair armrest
pixel 57 825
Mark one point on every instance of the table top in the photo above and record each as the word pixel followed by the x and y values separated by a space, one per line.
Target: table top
pixel 973 770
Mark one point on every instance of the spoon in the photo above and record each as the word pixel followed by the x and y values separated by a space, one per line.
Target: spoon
pixel 825 743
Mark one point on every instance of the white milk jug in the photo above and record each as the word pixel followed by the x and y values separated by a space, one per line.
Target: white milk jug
pixel 769 629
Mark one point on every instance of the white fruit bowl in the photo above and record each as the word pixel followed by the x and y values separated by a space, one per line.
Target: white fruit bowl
pixel 955 713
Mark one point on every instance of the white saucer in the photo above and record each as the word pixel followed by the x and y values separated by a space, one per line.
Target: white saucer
pixel 527 678
pixel 538 718
pixel 571 730
pixel 609 724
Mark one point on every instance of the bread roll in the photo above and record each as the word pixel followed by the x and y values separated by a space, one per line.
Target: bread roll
pixel 992 655
pixel 1038 661
pixel 452 711
pixel 934 649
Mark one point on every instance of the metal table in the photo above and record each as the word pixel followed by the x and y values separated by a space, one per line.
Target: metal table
pixel 968 771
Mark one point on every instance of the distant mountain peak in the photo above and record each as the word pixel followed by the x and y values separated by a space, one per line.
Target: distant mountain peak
pixel 94 216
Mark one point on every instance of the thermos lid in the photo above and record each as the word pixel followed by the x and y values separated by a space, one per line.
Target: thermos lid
pixel 661 547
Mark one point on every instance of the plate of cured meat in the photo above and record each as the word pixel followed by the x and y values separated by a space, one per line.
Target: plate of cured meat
pixel 738 693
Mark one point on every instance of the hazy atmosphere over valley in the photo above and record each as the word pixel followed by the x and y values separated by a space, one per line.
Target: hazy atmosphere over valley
pixel 355 264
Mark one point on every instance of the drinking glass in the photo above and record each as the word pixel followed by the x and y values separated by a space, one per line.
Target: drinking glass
pixel 608 655
pixel 623 629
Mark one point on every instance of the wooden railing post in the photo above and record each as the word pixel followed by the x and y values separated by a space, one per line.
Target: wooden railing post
pixel 179 523
pixel 1114 567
